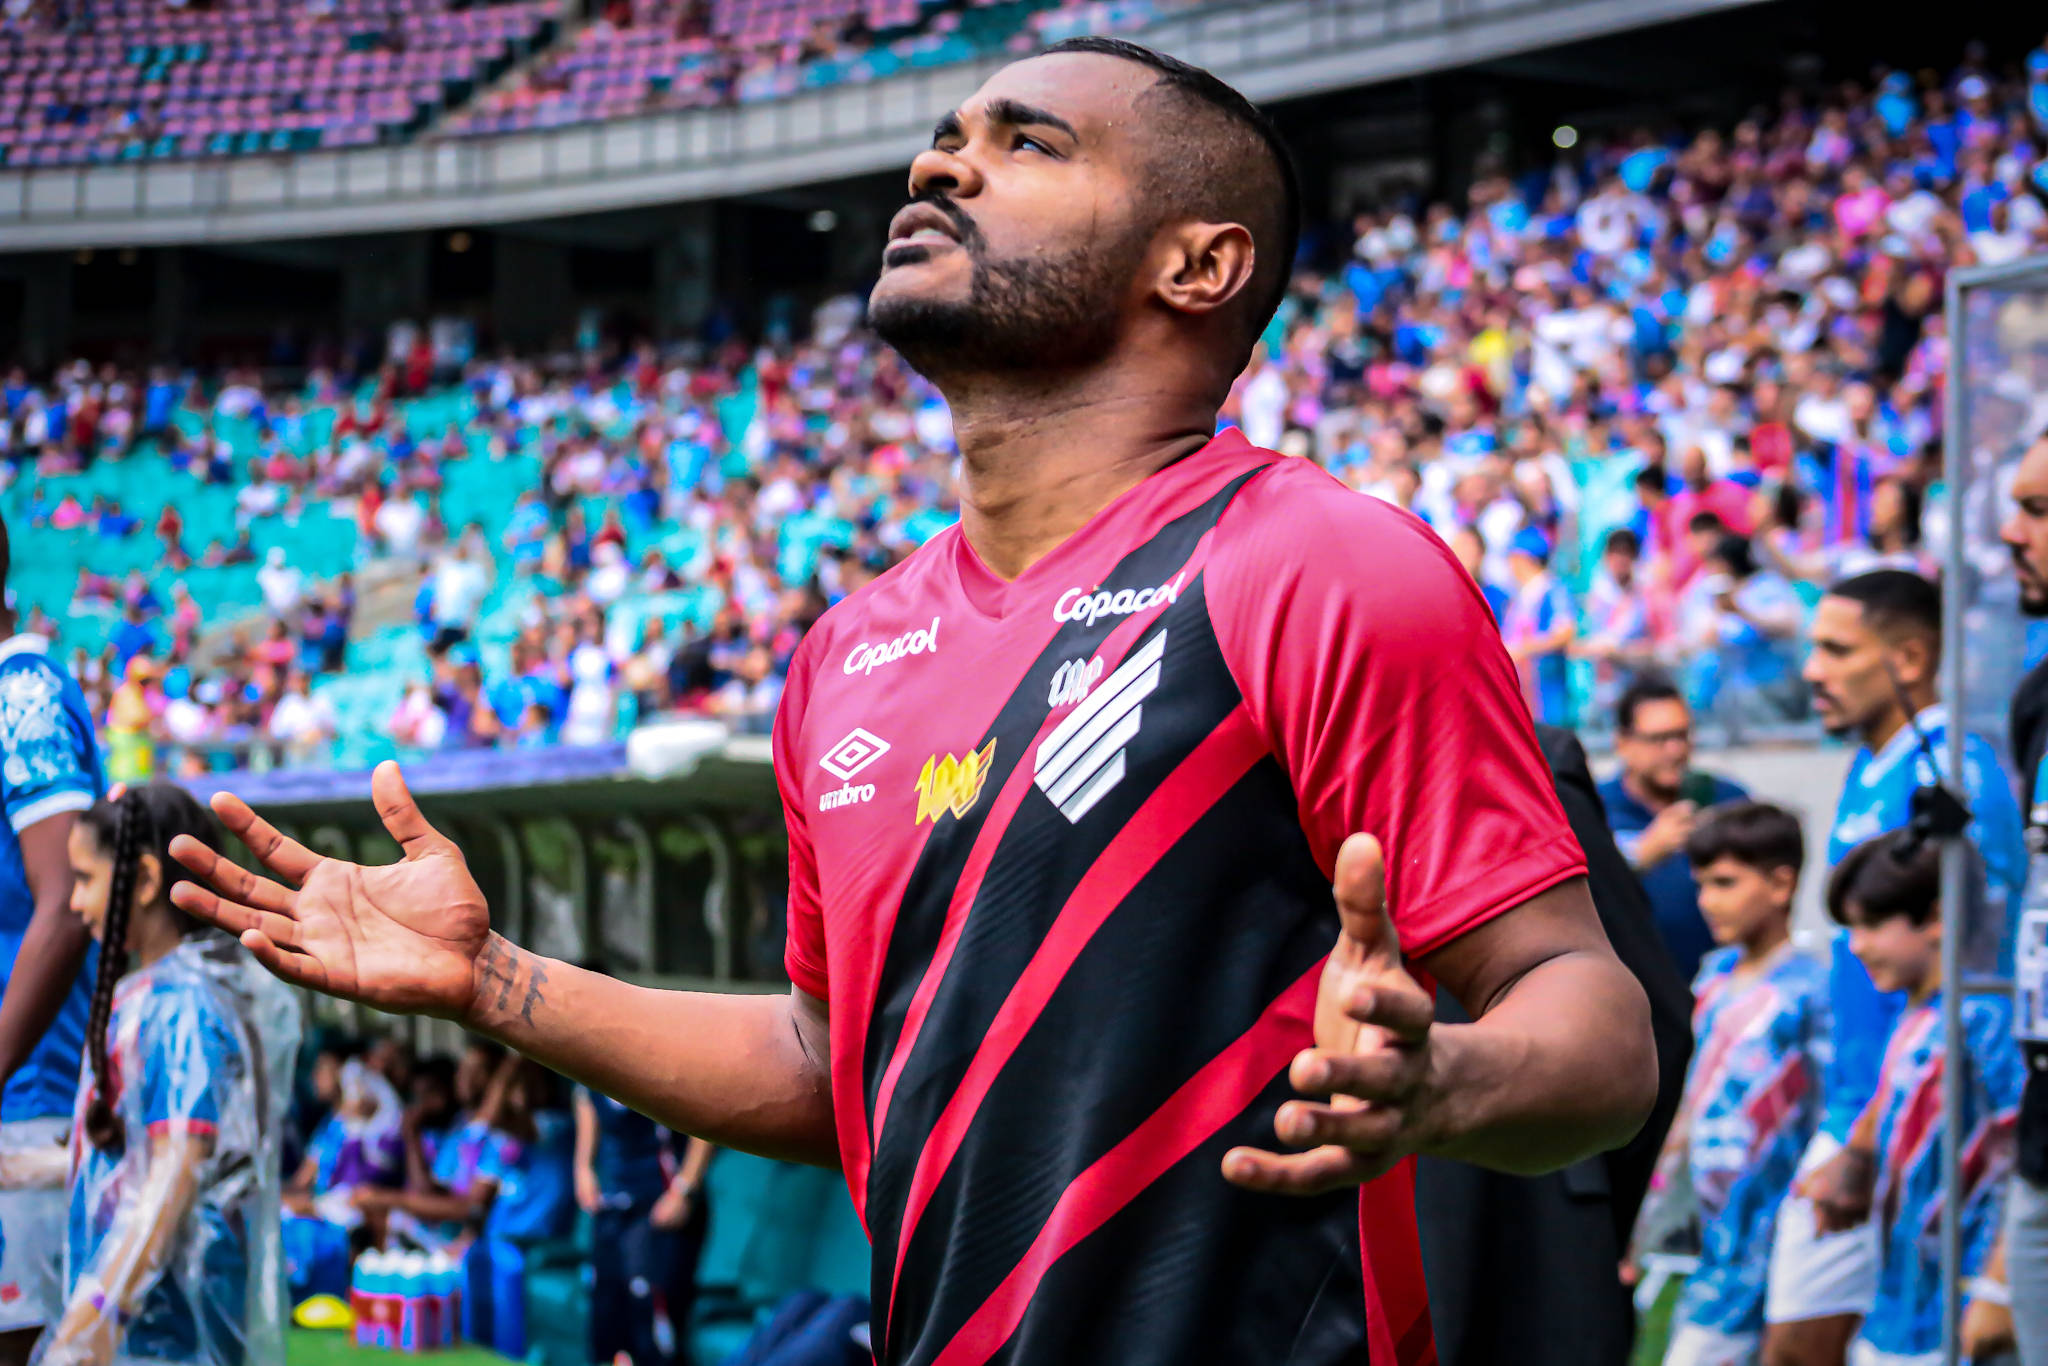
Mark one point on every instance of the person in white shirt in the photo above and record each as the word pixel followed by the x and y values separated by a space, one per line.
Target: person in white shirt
pixel 399 522
pixel 610 575
pixel 301 722
pixel 460 584
pixel 282 585
pixel 593 701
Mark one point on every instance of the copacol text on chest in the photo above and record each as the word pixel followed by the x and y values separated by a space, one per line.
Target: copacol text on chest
pixel 866 658
pixel 1078 604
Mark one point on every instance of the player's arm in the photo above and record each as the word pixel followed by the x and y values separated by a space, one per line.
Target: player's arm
pixel 742 1071
pixel 52 948
pixel 1376 671
pixel 1559 1062
pixel 42 814
pixel 745 1071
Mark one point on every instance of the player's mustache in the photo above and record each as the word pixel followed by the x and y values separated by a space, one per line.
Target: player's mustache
pixel 963 226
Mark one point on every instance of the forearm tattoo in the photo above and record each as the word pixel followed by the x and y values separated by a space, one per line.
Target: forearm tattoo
pixel 504 967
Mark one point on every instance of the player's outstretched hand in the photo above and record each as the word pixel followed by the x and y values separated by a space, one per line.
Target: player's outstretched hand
pixel 1370 1064
pixel 404 937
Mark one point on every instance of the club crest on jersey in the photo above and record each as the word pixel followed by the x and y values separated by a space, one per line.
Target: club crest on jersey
pixel 949 784
pixel 1078 604
pixel 1085 756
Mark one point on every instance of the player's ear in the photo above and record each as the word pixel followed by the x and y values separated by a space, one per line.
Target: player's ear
pixel 1918 656
pixel 1206 266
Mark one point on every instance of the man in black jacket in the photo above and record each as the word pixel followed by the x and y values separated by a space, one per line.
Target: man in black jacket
pixel 1524 1269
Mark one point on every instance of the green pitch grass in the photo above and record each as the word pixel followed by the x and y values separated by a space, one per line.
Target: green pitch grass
pixel 1653 1330
pixel 304 1348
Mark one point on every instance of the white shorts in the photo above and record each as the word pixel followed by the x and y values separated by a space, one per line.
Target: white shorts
pixel 1862 1353
pixel 1815 1276
pixel 1692 1345
pixel 31 1236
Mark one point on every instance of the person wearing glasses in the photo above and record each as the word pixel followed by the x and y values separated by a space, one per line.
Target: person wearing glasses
pixel 1652 805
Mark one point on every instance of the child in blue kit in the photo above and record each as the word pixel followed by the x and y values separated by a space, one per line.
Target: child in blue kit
pixel 1887 892
pixel 172 1252
pixel 1752 1093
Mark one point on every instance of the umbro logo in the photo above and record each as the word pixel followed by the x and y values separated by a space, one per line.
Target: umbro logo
pixel 1084 757
pixel 854 752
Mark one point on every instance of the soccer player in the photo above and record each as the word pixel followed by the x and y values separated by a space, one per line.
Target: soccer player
pixel 1752 1094
pixel 1876 647
pixel 1887 893
pixel 49 772
pixel 1068 795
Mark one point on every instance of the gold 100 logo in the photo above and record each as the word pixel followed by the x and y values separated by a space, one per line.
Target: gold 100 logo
pixel 949 784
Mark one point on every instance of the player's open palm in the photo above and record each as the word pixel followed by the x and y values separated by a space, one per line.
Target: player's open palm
pixel 1371 1059
pixel 402 937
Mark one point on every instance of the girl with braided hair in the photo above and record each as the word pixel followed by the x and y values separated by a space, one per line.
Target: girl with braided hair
pixel 172 1249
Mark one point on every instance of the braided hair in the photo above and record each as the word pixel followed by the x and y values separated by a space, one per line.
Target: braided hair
pixel 144 820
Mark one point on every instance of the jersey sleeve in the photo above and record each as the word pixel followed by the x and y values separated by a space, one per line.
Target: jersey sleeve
pixel 804 953
pixel 44 747
pixel 187 1053
pixel 1371 663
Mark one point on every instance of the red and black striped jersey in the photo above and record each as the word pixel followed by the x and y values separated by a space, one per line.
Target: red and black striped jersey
pixel 1060 855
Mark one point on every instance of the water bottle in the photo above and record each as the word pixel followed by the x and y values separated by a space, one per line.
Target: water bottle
pixel 445 1281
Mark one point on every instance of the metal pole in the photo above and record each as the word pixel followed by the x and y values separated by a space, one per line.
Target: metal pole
pixel 1955 447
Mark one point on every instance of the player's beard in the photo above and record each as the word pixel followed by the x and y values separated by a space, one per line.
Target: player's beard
pixel 2033 588
pixel 1038 313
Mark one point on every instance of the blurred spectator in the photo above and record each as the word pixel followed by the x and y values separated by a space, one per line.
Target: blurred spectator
pixel 1539 626
pixel 1739 623
pixel 459 584
pixel 1653 804
pixel 283 585
pixel 301 725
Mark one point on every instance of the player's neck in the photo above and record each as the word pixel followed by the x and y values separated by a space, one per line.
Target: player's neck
pixel 1890 722
pixel 1035 467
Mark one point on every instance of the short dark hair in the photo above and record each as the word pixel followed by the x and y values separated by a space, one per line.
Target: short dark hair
pixel 1894 601
pixel 1622 538
pixel 1205 177
pixel 1896 875
pixel 5 556
pixel 1653 476
pixel 1733 551
pixel 1758 834
pixel 1706 521
pixel 1647 688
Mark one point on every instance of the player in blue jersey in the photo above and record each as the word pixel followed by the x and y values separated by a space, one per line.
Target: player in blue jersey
pixel 1752 1094
pixel 49 772
pixel 1876 648
pixel 1887 892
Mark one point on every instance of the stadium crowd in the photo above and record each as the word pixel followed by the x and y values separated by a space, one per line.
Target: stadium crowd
pixel 1654 394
